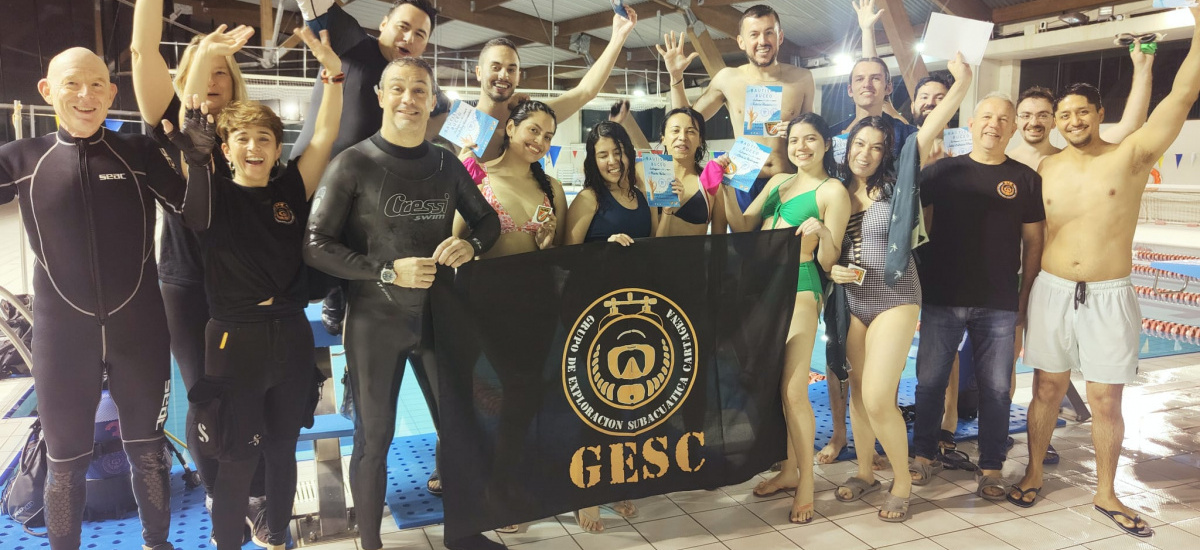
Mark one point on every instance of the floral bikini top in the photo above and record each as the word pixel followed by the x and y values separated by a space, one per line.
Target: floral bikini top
pixel 507 225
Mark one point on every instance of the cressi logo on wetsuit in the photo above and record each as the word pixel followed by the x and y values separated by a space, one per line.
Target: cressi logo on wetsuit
pixel 430 209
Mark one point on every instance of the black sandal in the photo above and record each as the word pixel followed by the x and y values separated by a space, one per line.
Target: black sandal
pixel 434 483
pixel 1020 501
pixel 954 459
pixel 1143 531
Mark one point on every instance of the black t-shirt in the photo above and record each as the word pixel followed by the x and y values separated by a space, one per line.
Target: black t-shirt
pixel 253 246
pixel 363 64
pixel 974 250
pixel 179 258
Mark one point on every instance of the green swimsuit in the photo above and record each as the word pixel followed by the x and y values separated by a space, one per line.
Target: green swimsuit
pixel 795 211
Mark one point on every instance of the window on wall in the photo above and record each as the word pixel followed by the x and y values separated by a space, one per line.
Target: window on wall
pixel 1109 70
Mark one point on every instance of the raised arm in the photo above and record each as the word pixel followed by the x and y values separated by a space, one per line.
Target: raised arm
pixel 218 43
pixel 671 51
pixel 151 77
pixel 316 157
pixel 195 140
pixel 1153 138
pixel 1138 103
pixel 867 17
pixel 936 123
pixel 593 81
pixel 620 114
pixel 345 31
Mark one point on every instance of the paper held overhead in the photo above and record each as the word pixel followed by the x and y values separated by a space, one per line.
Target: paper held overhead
pixel 946 35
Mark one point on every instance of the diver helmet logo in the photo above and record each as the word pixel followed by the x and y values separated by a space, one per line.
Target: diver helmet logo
pixel 630 361
pixel 203 431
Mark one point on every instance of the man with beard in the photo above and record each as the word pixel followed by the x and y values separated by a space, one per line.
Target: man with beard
pixel 759 36
pixel 1083 310
pixel 499 74
pixel 1034 114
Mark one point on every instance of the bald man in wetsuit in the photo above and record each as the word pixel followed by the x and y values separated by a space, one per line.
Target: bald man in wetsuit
pixel 100 313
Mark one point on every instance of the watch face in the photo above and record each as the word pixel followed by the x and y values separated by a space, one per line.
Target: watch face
pixel 387 276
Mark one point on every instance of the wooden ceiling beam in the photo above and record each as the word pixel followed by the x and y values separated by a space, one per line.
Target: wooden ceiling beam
pixel 482 5
pixel 903 41
pixel 971 9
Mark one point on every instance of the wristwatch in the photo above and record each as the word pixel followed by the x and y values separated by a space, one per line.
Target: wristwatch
pixel 387 275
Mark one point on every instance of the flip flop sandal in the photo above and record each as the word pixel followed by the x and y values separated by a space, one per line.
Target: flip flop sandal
pixel 1051 456
pixel 434 484
pixel 954 459
pixel 777 489
pixel 508 529
pixel 893 503
pixel 1143 531
pixel 986 482
pixel 926 471
pixel 946 438
pixel 624 508
pixel 1020 501
pixel 858 489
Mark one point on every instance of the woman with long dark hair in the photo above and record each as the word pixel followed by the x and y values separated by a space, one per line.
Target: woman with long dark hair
pixel 612 205
pixel 882 302
pixel 813 202
pixel 700 202
pixel 517 187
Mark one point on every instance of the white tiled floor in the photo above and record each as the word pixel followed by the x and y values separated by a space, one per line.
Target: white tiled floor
pixel 1158 476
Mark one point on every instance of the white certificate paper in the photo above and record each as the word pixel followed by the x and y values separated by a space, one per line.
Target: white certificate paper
pixel 946 35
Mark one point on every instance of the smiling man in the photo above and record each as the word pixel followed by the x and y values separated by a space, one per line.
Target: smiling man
pixel 760 37
pixel 1083 311
pixel 1035 116
pixel 382 219
pixel 985 218
pixel 499 74
pixel 99 308
pixel 404 32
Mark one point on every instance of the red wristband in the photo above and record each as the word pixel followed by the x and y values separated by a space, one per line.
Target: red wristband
pixel 335 79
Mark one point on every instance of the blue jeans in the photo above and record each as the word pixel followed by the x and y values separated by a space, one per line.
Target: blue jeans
pixel 992 333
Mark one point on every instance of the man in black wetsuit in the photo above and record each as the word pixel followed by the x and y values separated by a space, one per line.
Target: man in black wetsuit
pixel 382 218
pixel 87 198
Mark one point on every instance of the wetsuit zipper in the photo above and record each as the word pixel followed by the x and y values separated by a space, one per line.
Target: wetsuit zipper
pixel 85 186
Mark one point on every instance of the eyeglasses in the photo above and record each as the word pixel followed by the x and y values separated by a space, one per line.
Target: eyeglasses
pixel 1041 117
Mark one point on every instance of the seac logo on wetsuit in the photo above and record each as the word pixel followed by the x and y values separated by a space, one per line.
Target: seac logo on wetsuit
pixel 283 213
pixel 398 205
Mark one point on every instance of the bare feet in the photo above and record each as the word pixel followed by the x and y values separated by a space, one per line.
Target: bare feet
pixel 1125 515
pixel 779 482
pixel 589 519
pixel 802 512
pixel 625 508
pixel 829 453
pixel 1021 491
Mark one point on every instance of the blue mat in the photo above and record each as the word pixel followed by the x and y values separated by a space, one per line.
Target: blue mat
pixel 190 526
pixel 410 461
pixel 818 394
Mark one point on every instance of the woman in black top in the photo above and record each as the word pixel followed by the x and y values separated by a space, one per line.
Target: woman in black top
pixel 612 205
pixel 259 368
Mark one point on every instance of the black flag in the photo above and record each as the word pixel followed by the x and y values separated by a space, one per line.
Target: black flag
pixel 589 374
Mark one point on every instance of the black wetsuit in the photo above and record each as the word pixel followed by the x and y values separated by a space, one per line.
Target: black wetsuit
pixel 379 202
pixel 260 355
pixel 363 64
pixel 88 209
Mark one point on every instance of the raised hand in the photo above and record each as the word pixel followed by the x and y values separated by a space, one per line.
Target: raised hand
pixel 621 26
pixel 619 111
pixel 672 53
pixel 867 16
pixel 222 43
pixel 320 49
pixel 198 135
pixel 1141 60
pixel 958 67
